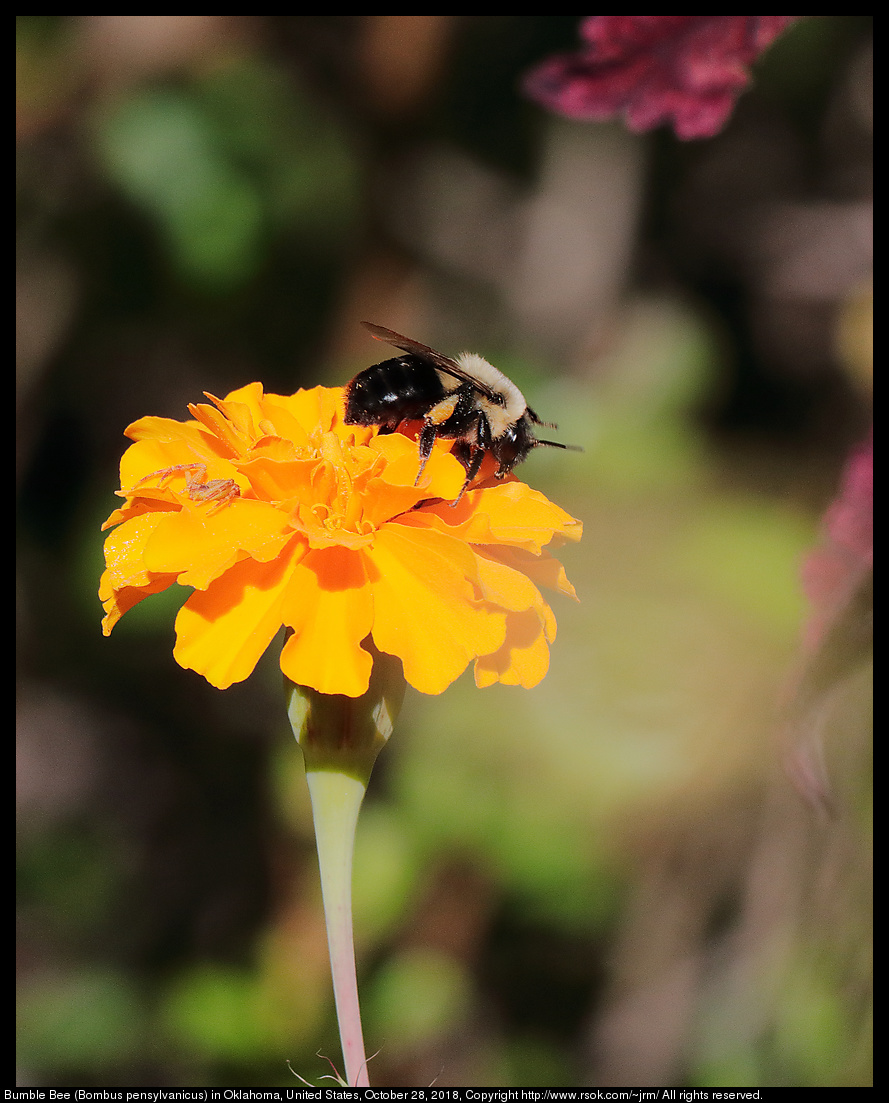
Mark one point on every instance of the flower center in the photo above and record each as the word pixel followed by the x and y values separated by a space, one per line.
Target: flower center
pixel 335 516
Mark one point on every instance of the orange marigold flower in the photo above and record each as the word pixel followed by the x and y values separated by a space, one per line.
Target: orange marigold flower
pixel 279 514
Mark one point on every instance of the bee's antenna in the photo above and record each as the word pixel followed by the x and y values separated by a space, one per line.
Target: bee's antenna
pixel 558 444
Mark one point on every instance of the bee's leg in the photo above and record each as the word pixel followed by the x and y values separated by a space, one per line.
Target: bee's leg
pixel 479 449
pixel 475 462
pixel 427 438
pixel 477 452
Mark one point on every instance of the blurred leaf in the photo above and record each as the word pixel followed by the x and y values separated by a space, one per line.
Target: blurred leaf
pixel 45 71
pixel 296 152
pixel 800 67
pixel 80 1020
pixel 73 877
pixel 814 1030
pixel 160 148
pixel 216 1012
pixel 540 1061
pixel 226 164
pixel 855 335
pixel 747 554
pixel 386 873
pixel 499 799
pixel 741 1067
pixel 644 393
pixel 567 886
pixel 414 998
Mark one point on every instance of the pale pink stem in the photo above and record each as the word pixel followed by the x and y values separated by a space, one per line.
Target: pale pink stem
pixel 336 800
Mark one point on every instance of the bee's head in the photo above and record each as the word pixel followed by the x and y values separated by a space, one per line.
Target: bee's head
pixel 514 444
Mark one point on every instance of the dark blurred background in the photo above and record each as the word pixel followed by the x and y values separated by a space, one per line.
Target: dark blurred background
pixel 607 880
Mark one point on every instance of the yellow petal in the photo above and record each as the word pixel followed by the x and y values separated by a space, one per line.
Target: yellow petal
pixel 424 607
pixel 231 442
pixel 222 631
pixel 281 421
pixel 542 569
pixel 384 501
pixel 523 660
pixel 125 549
pixel 136 506
pixel 201 543
pixel 330 608
pixel 509 513
pixel 243 408
pixel 314 409
pixel 147 457
pixel 278 479
pixel 505 586
pixel 443 476
pixel 119 600
pixel 126 581
pixel 166 430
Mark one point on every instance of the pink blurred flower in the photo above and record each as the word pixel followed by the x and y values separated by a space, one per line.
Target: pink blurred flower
pixel 653 69
pixel 834 573
pixel 838 640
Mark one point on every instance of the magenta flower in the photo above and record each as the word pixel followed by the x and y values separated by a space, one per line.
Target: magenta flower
pixel 653 69
pixel 838 640
pixel 834 574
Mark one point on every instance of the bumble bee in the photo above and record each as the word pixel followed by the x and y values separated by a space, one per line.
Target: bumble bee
pixel 467 400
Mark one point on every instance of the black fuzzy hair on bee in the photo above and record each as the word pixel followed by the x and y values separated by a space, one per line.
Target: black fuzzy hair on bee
pixel 466 400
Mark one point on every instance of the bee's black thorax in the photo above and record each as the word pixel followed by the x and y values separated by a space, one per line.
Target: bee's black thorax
pixel 400 389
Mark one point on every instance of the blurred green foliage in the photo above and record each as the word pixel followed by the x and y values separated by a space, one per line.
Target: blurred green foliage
pixel 90 1018
pixel 228 165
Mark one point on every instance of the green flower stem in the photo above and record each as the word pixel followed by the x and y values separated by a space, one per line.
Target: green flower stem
pixel 336 800
pixel 340 738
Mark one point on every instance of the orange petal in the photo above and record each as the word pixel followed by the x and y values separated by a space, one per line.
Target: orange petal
pixel 222 631
pixel 243 408
pixel 443 476
pixel 149 501
pixel 314 409
pixel 285 427
pixel 119 600
pixel 424 607
pixel 505 586
pixel 510 513
pixel 167 430
pixel 384 501
pixel 201 543
pixel 330 607
pixel 149 456
pixel 542 569
pixel 278 479
pixel 231 442
pixel 523 660
pixel 125 549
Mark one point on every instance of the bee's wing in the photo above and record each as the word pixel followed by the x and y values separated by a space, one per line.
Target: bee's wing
pixel 443 363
